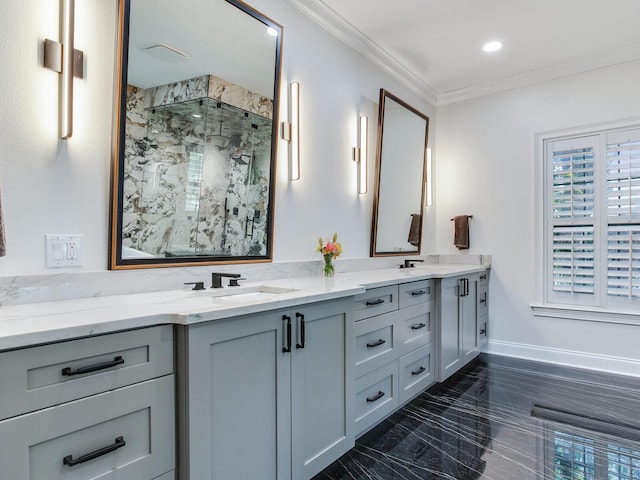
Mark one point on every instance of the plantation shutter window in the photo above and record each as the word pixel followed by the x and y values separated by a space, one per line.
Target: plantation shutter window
pixel 592 219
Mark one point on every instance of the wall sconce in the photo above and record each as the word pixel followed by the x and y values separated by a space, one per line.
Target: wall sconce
pixel 429 178
pixel 290 131
pixel 361 152
pixel 68 62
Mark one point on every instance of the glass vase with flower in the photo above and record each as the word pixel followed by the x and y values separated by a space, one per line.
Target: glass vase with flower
pixel 329 251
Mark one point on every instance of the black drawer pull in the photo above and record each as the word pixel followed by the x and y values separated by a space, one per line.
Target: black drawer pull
pixel 418 371
pixel 376 343
pixel 287 348
pixel 483 276
pixel 375 302
pixel 483 300
pixel 68 460
pixel 302 330
pixel 376 397
pixel 482 332
pixel 67 371
pixel 417 293
pixel 418 326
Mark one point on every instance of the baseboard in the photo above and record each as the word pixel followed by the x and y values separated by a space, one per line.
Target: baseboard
pixel 590 361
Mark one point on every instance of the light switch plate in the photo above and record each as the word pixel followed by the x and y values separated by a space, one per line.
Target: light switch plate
pixel 63 251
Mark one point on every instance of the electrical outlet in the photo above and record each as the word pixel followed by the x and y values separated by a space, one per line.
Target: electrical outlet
pixel 63 251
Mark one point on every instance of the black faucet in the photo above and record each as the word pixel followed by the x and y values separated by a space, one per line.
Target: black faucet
pixel 196 285
pixel 408 263
pixel 216 278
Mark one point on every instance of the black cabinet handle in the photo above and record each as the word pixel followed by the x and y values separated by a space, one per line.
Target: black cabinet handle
pixel 417 293
pixel 418 326
pixel 375 302
pixel 302 332
pixel 483 276
pixel 376 343
pixel 68 460
pixel 287 348
pixel 376 397
pixel 466 287
pixel 482 332
pixel 418 371
pixel 67 371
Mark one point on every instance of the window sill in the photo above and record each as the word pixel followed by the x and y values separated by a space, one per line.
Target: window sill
pixel 587 314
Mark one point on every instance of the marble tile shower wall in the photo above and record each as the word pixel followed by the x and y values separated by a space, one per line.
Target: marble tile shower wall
pixel 220 211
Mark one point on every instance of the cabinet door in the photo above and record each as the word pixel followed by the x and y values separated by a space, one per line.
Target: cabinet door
pixel 239 404
pixel 469 314
pixel 450 327
pixel 322 386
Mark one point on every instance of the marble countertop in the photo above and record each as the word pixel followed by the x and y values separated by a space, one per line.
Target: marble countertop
pixel 37 323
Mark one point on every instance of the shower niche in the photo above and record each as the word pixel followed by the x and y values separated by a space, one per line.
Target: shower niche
pixel 197 180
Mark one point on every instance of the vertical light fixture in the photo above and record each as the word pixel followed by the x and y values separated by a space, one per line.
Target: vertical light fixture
pixel 61 57
pixel 291 131
pixel 361 152
pixel 429 178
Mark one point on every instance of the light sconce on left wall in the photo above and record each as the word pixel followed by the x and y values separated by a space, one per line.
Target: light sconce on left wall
pixel 68 62
pixel 290 131
pixel 361 152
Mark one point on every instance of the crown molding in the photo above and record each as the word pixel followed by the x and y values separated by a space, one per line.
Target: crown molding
pixel 317 11
pixel 602 60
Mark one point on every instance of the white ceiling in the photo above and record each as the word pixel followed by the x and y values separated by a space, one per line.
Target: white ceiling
pixel 436 45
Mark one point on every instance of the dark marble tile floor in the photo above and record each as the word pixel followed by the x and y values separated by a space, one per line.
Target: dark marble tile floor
pixel 506 419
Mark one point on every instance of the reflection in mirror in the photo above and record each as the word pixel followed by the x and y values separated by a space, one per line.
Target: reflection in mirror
pixel 196 144
pixel 400 178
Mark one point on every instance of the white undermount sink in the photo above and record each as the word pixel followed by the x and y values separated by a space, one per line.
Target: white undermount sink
pixel 248 294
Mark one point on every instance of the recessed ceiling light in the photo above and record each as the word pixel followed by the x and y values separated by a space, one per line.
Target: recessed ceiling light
pixel 490 47
pixel 272 31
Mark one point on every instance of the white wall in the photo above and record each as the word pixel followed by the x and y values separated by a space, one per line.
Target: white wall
pixel 484 145
pixel 54 186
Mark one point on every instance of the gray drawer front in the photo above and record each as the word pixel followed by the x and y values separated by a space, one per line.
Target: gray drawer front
pixel 484 277
pixel 376 396
pixel 483 330
pixel 483 299
pixel 416 372
pixel 376 301
pixel 142 414
pixel 414 293
pixel 376 342
pixel 33 378
pixel 415 328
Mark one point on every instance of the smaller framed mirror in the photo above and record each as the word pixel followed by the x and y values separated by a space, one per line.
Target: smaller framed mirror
pixel 398 205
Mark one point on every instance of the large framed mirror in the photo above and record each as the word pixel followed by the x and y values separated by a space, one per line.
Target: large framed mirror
pixel 195 135
pixel 398 205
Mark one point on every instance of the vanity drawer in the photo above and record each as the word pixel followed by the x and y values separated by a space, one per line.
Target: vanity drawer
pixel 39 377
pixel 415 327
pixel 416 372
pixel 483 299
pixel 483 332
pixel 484 277
pixel 376 342
pixel 132 428
pixel 376 301
pixel 414 293
pixel 376 396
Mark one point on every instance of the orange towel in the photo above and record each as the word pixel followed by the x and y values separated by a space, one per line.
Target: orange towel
pixel 461 232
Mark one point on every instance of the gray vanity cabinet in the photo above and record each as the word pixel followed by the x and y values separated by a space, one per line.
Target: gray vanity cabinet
pixel 394 358
pixel 459 333
pixel 266 396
